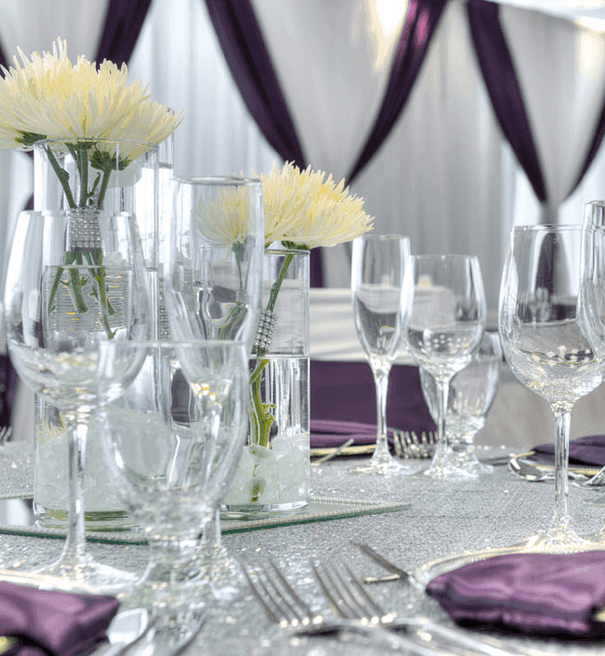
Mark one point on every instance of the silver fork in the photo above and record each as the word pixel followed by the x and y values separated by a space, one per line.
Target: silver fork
pixel 410 445
pixel 351 600
pixel 287 608
pixel 5 434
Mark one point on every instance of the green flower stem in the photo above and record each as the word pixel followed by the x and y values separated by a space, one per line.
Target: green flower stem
pixel 79 152
pixel 260 415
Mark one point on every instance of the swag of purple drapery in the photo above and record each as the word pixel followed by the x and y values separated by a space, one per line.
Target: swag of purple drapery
pixel 123 23
pixel 248 59
pixel 503 87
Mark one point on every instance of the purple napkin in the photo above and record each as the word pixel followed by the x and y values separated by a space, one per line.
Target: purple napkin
pixel 328 433
pixel 51 622
pixel 548 594
pixel 582 451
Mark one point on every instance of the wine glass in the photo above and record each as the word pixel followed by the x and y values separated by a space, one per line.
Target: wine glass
pixel 377 269
pixel 543 337
pixel 443 322
pixel 472 393
pixel 62 300
pixel 214 254
pixel 172 459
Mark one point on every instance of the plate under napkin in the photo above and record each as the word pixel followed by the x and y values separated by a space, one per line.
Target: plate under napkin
pixel 546 594
pixel 52 622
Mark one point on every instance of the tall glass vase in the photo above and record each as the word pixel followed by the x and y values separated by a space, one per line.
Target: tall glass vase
pixel 273 473
pixel 85 178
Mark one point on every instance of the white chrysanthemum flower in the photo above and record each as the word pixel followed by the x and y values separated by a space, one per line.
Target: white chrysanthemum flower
pixel 46 97
pixel 225 221
pixel 300 207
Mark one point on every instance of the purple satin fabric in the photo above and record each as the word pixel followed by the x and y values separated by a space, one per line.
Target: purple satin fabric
pixel 51 622
pixel 327 433
pixel 345 391
pixel 547 594
pixel 582 451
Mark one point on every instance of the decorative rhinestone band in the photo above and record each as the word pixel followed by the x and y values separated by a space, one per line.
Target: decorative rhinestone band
pixel 266 329
pixel 84 231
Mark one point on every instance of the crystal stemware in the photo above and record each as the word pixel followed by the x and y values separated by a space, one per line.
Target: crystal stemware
pixel 65 296
pixel 472 392
pixel 171 467
pixel 377 269
pixel 545 343
pixel 443 322
pixel 214 254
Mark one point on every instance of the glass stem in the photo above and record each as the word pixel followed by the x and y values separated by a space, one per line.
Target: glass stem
pixel 443 392
pixel 562 426
pixel 75 545
pixel 381 372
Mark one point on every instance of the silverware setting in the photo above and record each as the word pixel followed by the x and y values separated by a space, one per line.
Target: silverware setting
pixel 397 574
pixel 409 444
pixel 357 612
pixel 333 453
pixel 5 434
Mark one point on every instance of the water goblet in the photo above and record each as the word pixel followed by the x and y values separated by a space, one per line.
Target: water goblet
pixel 64 297
pixel 172 463
pixel 443 323
pixel 377 269
pixel 214 254
pixel 544 342
pixel 471 394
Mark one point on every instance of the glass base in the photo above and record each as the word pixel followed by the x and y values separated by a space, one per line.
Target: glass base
pixel 244 510
pixel 105 521
pixel 85 575
pixel 444 468
pixel 559 541
pixel 384 465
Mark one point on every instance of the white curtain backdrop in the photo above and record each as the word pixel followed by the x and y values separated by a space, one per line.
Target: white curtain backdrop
pixel 444 176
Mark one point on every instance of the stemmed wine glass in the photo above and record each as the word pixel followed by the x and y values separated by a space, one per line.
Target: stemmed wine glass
pixel 443 322
pixel 544 342
pixel 140 429
pixel 377 268
pixel 472 393
pixel 65 296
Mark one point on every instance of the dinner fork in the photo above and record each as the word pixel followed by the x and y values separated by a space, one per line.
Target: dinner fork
pixel 287 608
pixel 351 600
pixel 5 434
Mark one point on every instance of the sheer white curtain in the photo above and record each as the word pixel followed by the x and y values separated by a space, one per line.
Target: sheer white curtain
pixel 178 55
pixel 560 65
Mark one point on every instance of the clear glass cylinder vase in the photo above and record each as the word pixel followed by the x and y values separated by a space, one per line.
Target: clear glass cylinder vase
pixel 274 470
pixel 86 178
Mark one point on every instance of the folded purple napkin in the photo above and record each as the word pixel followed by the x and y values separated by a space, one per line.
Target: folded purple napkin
pixel 548 594
pixel 582 451
pixel 51 622
pixel 328 433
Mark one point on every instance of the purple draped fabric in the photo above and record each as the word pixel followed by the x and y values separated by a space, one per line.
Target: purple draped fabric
pixel 250 64
pixel 123 23
pixel 242 43
pixel 420 23
pixel 503 88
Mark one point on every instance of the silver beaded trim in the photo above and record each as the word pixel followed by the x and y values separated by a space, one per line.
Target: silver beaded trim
pixel 265 332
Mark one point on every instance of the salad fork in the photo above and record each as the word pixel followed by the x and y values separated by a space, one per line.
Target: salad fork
pixel 287 608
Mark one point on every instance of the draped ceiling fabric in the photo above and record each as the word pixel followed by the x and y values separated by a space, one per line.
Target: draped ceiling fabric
pixel 551 106
pixel 303 67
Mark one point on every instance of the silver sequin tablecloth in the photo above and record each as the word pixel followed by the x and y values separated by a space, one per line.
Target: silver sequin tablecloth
pixel 441 519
